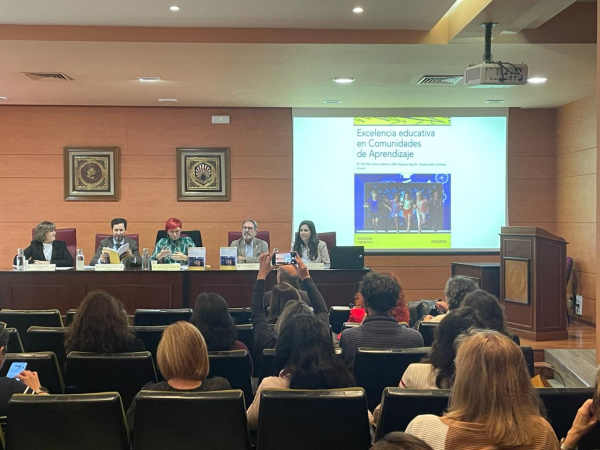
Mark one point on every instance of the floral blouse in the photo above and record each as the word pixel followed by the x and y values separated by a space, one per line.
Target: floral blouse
pixel 178 245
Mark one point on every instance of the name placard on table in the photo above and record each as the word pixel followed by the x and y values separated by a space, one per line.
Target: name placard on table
pixel 40 268
pixel 175 267
pixel 110 267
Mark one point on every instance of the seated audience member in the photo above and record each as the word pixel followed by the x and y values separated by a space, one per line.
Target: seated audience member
pixel 182 359
pixel 357 312
pixel 280 295
pixel 306 359
pixel 29 382
pixel 131 258
pixel 400 441
pixel 172 249
pixel 587 417
pixel 100 326
pixel 308 246
pixel 493 403
pixel 211 317
pixel 249 246
pixel 489 307
pixel 378 329
pixel 400 311
pixel 457 288
pixel 45 249
pixel 264 335
pixel 287 274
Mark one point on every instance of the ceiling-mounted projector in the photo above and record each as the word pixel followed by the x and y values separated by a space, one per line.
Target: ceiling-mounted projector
pixel 494 74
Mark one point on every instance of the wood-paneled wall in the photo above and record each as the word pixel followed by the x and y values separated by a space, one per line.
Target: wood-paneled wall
pixel 576 196
pixel 31 178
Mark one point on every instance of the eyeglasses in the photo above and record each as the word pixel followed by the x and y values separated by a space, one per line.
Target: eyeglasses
pixel 174 231
pixel 247 228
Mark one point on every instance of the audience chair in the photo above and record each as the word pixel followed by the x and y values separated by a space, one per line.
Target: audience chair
pixel 190 421
pixel 246 336
pixel 240 316
pixel 194 235
pixel 70 317
pixel 23 319
pixel 376 368
pixel 44 363
pixel 427 330
pixel 347 325
pixel 329 238
pixel 69 236
pixel 266 368
pixel 235 235
pixel 337 316
pixel 419 309
pixel 297 419
pixel 150 336
pixel 154 317
pixel 14 341
pixel 58 422
pixel 100 237
pixel 561 408
pixel 528 354
pixel 48 339
pixel 125 373
pixel 400 406
pixel 234 366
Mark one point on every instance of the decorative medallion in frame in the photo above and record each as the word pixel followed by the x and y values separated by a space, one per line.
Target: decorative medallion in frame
pixel 92 173
pixel 203 174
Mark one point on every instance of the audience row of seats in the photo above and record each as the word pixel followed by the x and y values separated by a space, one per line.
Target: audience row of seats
pixel 289 419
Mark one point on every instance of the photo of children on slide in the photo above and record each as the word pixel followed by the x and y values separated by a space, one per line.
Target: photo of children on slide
pixel 417 203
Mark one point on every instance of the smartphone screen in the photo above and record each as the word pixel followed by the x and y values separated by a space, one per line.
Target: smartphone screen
pixel 16 368
pixel 281 259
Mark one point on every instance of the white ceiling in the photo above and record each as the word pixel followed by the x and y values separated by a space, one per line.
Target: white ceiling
pixel 313 14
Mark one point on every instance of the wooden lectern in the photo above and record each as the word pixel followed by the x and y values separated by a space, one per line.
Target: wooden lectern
pixel 532 282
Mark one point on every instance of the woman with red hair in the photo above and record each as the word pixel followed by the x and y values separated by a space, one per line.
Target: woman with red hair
pixel 172 249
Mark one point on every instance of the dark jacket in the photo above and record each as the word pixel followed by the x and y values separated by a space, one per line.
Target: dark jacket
pixel 60 255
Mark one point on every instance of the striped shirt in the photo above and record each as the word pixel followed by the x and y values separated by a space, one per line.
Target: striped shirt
pixel 419 376
pixel 445 434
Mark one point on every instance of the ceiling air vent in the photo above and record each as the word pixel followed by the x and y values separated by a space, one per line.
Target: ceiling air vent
pixel 48 76
pixel 440 79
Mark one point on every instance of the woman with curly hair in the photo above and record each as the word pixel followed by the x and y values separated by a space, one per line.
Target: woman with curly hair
pixel 100 326
pixel 211 317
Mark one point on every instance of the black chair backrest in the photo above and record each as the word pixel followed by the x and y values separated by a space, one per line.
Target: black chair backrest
pixel 427 330
pixel 561 408
pixel 375 369
pixel 246 336
pixel 155 317
pixel 337 316
pixel 266 368
pixel 419 309
pixel 194 235
pixel 125 373
pixel 528 354
pixel 347 325
pixel 70 317
pixel 23 319
pixel 234 366
pixel 48 339
pixel 400 406
pixel 44 363
pixel 150 336
pixel 241 316
pixel 190 421
pixel 91 422
pixel 15 345
pixel 333 419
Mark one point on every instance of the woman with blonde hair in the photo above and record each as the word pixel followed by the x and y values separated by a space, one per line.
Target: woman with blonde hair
pixel 493 403
pixel 45 249
pixel 182 359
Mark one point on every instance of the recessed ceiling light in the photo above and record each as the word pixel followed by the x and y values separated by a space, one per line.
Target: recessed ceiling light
pixel 3 98
pixel 174 8
pixel 168 100
pixel 537 80
pixel 357 10
pixel 343 80
pixel 332 102
pixel 148 79
pixel 495 101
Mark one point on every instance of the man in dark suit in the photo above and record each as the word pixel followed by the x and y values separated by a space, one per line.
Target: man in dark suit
pixel 287 274
pixel 131 258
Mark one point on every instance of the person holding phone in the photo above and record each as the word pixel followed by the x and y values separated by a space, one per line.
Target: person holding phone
pixel 172 249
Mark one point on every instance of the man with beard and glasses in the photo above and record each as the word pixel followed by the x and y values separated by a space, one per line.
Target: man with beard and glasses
pixel 248 246
pixel 131 258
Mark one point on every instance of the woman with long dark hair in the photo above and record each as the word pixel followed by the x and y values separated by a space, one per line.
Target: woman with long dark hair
pixel 489 307
pixel 100 326
pixel 306 359
pixel 308 246
pixel 211 316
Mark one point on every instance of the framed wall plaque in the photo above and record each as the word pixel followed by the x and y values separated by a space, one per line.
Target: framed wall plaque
pixel 92 173
pixel 203 174
pixel 516 280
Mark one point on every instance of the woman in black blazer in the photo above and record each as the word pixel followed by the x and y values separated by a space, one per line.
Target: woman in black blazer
pixel 45 248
